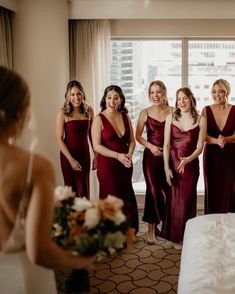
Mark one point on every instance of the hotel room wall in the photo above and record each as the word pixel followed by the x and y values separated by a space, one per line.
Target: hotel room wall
pixel 41 56
pixel 157 28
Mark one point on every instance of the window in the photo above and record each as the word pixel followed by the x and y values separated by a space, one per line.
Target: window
pixel 196 63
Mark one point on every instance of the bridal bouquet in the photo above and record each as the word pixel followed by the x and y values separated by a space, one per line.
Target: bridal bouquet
pixel 89 229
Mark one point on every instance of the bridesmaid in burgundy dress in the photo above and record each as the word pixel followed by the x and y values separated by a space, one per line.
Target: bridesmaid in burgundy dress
pixel 153 119
pixel 72 132
pixel 184 138
pixel 113 140
pixel 219 152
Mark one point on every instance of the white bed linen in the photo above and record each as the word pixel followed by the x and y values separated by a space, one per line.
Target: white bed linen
pixel 208 255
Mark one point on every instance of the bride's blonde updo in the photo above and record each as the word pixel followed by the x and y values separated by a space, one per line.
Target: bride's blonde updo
pixel 14 99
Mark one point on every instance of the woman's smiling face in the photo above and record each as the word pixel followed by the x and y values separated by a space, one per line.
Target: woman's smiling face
pixel 156 95
pixel 76 97
pixel 219 94
pixel 183 102
pixel 113 101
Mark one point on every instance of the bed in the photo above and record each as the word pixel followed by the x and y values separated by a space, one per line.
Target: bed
pixel 208 255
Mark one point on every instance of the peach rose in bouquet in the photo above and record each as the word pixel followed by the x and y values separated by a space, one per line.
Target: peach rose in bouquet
pixel 89 229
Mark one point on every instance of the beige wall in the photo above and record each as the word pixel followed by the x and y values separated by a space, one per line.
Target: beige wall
pixel 172 28
pixel 152 9
pixel 9 4
pixel 41 55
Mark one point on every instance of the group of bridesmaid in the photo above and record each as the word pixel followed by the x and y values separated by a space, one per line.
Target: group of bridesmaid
pixel 174 139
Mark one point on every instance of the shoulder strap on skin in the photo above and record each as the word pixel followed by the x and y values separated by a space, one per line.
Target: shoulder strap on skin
pixel 30 166
pixel 102 117
pixel 199 119
pixel 16 239
pixel 26 195
pixel 25 199
pixel 172 113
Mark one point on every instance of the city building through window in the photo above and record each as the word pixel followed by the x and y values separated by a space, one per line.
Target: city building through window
pixel 177 62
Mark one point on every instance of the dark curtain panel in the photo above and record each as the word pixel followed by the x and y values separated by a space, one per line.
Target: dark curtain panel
pixel 6 58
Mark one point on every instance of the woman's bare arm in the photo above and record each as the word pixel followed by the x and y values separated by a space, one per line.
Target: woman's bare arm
pixel 166 149
pixel 39 245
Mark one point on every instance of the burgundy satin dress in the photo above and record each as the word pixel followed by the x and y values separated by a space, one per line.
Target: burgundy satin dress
pixel 76 133
pixel 219 167
pixel 154 174
pixel 114 178
pixel 183 193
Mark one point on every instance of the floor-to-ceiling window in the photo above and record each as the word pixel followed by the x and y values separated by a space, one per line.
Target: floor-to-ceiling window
pixel 177 62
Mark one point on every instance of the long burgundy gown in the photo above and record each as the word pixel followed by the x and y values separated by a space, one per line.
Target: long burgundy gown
pixel 153 168
pixel 183 193
pixel 76 133
pixel 219 167
pixel 114 178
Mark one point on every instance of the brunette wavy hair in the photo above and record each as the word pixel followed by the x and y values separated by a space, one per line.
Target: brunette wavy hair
pixel 117 89
pixel 68 107
pixel 193 104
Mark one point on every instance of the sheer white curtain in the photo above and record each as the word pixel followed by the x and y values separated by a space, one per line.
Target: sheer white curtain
pixel 5 38
pixel 90 64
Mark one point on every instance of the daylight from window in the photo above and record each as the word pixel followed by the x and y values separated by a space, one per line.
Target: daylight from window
pixel 136 63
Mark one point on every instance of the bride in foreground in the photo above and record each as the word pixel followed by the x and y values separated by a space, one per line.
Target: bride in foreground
pixel 27 252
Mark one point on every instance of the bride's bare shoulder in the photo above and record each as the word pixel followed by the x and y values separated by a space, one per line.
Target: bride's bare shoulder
pixel 42 165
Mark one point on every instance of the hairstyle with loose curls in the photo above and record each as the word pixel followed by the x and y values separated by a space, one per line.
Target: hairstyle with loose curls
pixel 117 89
pixel 223 83
pixel 68 107
pixel 162 87
pixel 193 104
pixel 14 99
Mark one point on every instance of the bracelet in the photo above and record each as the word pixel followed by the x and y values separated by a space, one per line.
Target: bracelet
pixel 117 156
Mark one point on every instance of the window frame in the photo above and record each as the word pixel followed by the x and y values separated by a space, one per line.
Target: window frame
pixel 185 62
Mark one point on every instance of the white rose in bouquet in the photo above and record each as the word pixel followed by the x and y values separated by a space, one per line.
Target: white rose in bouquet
pixel 63 192
pixel 81 204
pixel 92 218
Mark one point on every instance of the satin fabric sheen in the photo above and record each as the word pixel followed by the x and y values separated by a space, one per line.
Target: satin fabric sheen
pixel 153 168
pixel 183 195
pixel 219 167
pixel 114 178
pixel 76 140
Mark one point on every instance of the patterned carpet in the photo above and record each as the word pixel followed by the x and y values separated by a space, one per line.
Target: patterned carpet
pixel 144 269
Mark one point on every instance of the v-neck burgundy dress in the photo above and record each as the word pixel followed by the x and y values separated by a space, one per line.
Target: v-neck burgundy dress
pixel 154 174
pixel 114 178
pixel 76 133
pixel 219 167
pixel 183 195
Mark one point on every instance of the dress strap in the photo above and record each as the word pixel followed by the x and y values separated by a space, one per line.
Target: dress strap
pixel 172 114
pixel 26 195
pixel 199 119
pixel 16 240
pixel 30 167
